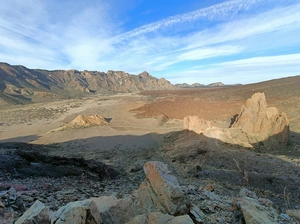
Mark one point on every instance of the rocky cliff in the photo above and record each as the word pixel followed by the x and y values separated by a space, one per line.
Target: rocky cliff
pixel 19 84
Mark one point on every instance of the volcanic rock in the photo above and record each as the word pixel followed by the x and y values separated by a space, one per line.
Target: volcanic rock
pixel 77 212
pixel 114 211
pixel 196 124
pixel 37 213
pixel 161 190
pixel 262 123
pixel 82 121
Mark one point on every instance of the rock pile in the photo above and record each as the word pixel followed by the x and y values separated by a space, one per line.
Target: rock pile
pixel 160 199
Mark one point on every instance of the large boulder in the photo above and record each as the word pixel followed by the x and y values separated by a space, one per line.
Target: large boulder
pixel 196 124
pixel 85 212
pixel 37 213
pixel 114 211
pixel 161 190
pixel 262 123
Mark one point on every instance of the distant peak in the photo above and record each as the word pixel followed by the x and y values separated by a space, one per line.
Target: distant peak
pixel 144 74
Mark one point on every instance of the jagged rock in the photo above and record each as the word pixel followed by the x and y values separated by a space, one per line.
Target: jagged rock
pixel 196 214
pixel 160 218
pixel 37 213
pixel 114 211
pixel 264 124
pixel 161 190
pixel 254 213
pixel 85 212
pixel 196 124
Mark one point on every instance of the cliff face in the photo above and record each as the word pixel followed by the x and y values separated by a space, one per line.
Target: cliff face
pixel 19 84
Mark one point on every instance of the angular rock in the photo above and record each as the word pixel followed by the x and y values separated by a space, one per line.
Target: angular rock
pixel 37 213
pixel 264 124
pixel 160 218
pixel 85 212
pixel 254 213
pixel 196 124
pixel 196 214
pixel 161 190
pixel 114 211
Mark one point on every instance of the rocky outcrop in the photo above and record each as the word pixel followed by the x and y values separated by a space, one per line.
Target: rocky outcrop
pixel 256 126
pixel 262 123
pixel 161 190
pixel 196 124
pixel 82 121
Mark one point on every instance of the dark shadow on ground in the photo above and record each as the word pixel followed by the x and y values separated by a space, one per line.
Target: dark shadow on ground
pixel 191 156
pixel 24 139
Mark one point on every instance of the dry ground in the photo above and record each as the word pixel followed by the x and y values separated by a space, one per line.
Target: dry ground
pixel 135 134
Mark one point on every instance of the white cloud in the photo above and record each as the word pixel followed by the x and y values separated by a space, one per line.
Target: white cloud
pixel 202 53
pixel 87 37
pixel 249 70
pixel 267 61
pixel 217 11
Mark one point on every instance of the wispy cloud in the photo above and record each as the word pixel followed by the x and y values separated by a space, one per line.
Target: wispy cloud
pixel 202 53
pixel 248 70
pixel 218 11
pixel 229 35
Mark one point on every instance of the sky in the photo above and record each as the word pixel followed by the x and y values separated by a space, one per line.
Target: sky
pixel 204 41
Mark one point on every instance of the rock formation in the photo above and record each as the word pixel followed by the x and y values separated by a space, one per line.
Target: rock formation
pixel 82 121
pixel 262 123
pixel 257 125
pixel 196 124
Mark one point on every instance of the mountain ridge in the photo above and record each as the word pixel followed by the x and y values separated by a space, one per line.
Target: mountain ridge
pixel 19 84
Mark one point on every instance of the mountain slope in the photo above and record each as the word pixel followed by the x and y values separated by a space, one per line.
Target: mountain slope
pixel 19 84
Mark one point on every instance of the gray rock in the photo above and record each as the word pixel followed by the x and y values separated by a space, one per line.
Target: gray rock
pixel 37 213
pixel 196 214
pixel 114 211
pixel 254 213
pixel 161 190
pixel 77 212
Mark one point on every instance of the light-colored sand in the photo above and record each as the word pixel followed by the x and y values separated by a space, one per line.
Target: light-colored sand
pixel 115 108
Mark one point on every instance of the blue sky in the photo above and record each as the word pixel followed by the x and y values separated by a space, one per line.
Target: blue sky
pixel 205 41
